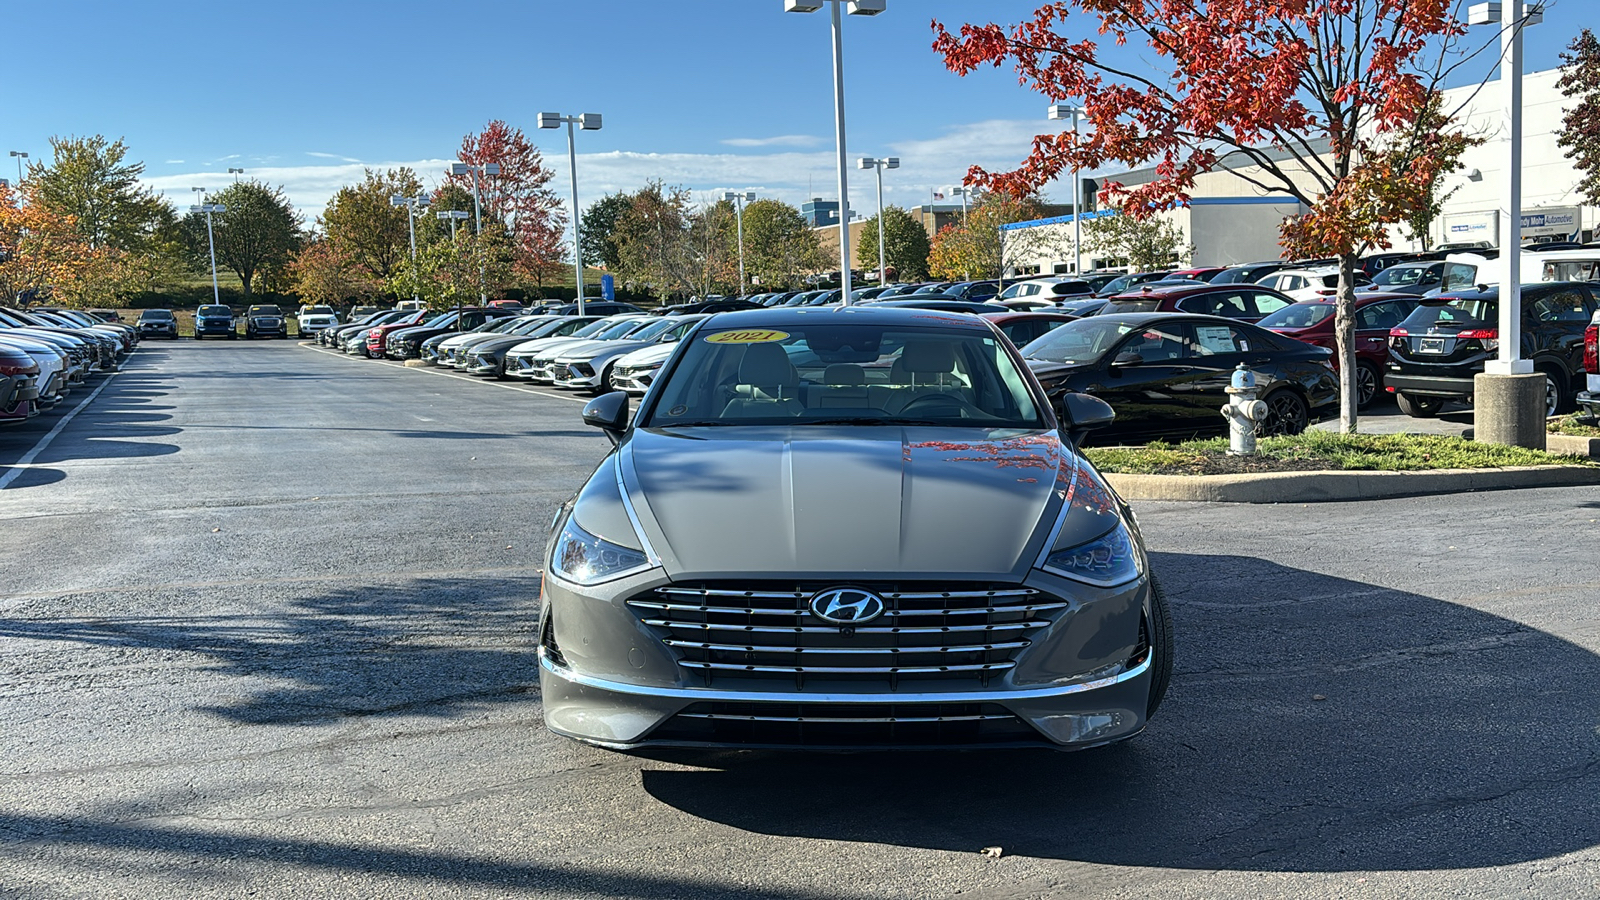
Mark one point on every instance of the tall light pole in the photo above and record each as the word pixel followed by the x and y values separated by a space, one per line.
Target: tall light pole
pixel 588 122
pixel 452 216
pixel 855 8
pixel 485 169
pixel 235 173
pixel 1060 112
pixel 412 204
pixel 867 162
pixel 20 156
pixel 1508 406
pixel 963 193
pixel 739 200
pixel 211 241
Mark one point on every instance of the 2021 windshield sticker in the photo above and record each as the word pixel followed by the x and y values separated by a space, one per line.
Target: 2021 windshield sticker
pixel 748 336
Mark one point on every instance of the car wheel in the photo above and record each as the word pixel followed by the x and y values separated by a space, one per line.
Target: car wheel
pixel 374 354
pixel 198 336
pixel 1159 634
pixel 1555 395
pixel 1286 414
pixel 1368 383
pixel 500 373
pixel 1419 407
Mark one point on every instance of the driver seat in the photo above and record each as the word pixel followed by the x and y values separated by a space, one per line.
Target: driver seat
pixel 928 368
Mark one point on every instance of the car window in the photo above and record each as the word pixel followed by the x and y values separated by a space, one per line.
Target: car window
pixel 1230 304
pixel 1266 304
pixel 1215 340
pixel 1463 312
pixel 1561 306
pixel 1158 343
pixel 1382 316
pixel 1298 315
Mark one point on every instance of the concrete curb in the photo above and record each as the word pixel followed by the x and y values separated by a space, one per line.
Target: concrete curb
pixel 1322 487
pixel 1572 445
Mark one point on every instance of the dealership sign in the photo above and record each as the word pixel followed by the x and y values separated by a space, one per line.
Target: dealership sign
pixel 1559 221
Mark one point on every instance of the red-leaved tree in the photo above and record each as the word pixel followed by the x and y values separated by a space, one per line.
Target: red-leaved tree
pixel 520 197
pixel 1315 99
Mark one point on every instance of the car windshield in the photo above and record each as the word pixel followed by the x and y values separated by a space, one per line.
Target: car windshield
pixel 1141 304
pixel 155 314
pixel 319 311
pixel 829 374
pixel 1401 276
pixel 440 321
pixel 214 311
pixel 655 329
pixel 619 329
pixel 264 311
pixel 1298 315
pixel 1081 341
pixel 1460 313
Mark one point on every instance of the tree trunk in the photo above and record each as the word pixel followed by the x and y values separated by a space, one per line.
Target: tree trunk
pixel 1344 329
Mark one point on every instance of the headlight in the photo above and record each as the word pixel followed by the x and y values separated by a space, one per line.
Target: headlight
pixel 1106 561
pixel 584 559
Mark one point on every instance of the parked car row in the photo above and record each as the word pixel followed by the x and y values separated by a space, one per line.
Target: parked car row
pixel 45 353
pixel 262 320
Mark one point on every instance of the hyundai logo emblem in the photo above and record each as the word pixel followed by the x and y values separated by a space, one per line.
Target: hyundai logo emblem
pixel 846 606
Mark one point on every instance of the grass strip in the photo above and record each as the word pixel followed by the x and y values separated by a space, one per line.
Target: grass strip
pixel 1577 426
pixel 1322 451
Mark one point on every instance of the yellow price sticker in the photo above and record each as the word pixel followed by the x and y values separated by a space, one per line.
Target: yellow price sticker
pixel 749 336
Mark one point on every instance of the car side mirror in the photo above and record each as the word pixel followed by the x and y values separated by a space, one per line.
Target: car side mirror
pixel 609 413
pixel 1084 413
pixel 1124 360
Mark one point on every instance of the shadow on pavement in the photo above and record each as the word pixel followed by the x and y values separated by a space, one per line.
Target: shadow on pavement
pixel 1448 738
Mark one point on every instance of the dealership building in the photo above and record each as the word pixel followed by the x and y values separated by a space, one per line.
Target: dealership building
pixel 1231 221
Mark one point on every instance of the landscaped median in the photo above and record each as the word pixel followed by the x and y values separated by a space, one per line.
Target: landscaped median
pixel 1321 466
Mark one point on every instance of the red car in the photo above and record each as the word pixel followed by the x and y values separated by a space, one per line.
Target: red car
pixel 1198 273
pixel 377 337
pixel 1245 302
pixel 1312 321
pixel 19 386
pixel 1023 328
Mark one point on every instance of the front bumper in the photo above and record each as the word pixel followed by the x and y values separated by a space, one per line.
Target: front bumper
pixel 1428 385
pixel 579 375
pixel 634 381
pixel 606 678
pixel 16 395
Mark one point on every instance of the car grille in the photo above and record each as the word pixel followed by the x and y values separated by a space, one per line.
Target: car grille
pixel 966 632
pixel 846 725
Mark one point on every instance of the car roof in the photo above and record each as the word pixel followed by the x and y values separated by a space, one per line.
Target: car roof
pixel 873 314
pixel 1318 271
pixel 1048 313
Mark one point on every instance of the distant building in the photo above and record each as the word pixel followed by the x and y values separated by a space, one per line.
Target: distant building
pixel 820 213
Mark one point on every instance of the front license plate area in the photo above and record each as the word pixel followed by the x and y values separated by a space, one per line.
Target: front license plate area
pixel 1431 345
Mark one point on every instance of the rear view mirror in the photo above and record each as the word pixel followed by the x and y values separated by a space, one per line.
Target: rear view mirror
pixel 1084 413
pixel 1127 359
pixel 609 413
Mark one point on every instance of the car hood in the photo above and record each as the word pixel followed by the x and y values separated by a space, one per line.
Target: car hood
pixel 539 345
pixel 846 501
pixel 654 353
pixel 497 342
pixel 592 349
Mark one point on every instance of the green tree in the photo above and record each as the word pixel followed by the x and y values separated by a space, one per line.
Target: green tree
pixel 448 198
pixel 713 256
pixel 363 224
pixel 447 273
pixel 652 235
pixel 905 245
pixel 980 248
pixel 91 180
pixel 1579 133
pixel 780 249
pixel 256 236
pixel 1143 245
pixel 599 226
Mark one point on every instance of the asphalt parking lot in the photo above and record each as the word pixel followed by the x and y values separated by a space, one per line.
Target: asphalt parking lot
pixel 267 629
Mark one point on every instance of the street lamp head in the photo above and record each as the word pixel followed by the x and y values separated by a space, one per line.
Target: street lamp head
pixel 397 200
pixel 550 120
pixel 803 6
pixel 491 168
pixel 19 153
pixel 892 162
pixel 233 171
pixel 749 196
pixel 729 196
pixel 198 190
pixel 460 168
pixel 866 162
pixel 589 121
pixel 865 7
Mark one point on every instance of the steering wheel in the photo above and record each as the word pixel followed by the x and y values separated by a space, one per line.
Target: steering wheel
pixel 956 401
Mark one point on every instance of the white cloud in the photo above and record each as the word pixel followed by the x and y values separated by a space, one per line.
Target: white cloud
pixel 782 140
pixel 927 164
pixel 347 159
pixel 174 162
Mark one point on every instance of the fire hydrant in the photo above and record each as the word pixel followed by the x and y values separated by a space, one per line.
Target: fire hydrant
pixel 1243 412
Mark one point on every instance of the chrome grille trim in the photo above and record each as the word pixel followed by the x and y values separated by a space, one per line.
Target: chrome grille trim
pixel 887 595
pixel 893 613
pixel 834 629
pixel 844 651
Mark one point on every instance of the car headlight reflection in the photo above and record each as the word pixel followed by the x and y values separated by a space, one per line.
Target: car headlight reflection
pixel 1106 561
pixel 584 559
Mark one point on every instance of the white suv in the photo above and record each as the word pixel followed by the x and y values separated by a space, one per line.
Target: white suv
pixel 313 319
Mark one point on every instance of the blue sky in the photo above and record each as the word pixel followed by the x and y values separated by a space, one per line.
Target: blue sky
pixel 712 94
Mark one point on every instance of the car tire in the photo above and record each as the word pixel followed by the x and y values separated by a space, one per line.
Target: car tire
pixel 1419 407
pixel 198 336
pixel 1287 414
pixel 1369 384
pixel 1160 635
pixel 1555 394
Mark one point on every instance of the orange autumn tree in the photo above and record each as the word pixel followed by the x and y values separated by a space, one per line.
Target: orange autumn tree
pixel 42 252
pixel 520 197
pixel 1315 99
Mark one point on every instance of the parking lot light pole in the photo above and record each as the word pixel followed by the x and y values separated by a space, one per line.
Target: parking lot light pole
pixel 412 204
pixel 963 193
pixel 854 8
pixel 211 241
pixel 1509 386
pixel 1061 112
pixel 486 169
pixel 452 216
pixel 235 173
pixel 20 156
pixel 739 200
pixel 867 162
pixel 587 122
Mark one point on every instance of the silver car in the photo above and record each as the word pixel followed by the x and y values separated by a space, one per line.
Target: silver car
pixel 848 528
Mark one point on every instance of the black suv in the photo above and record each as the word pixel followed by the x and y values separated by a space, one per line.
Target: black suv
pixel 214 320
pixel 1436 351
pixel 265 320
pixel 157 323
